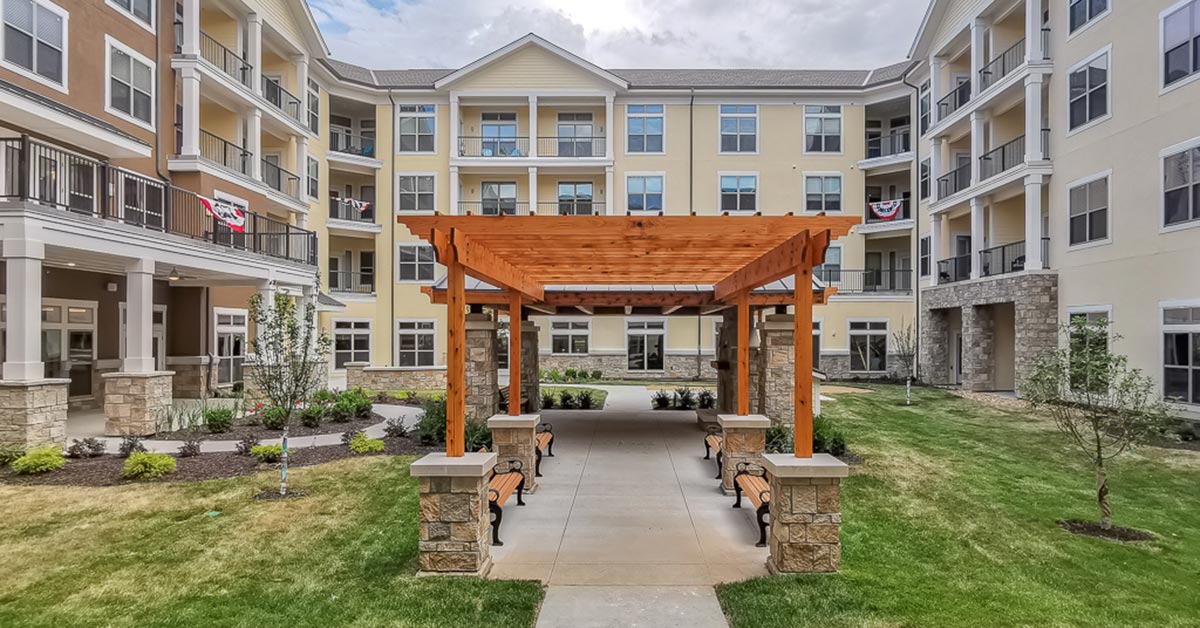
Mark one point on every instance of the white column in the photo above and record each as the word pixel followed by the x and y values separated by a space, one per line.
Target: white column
pixel 533 126
pixel 302 165
pixel 190 80
pixel 190 45
pixel 254 143
pixel 1034 151
pixel 935 168
pixel 533 190
pixel 1033 223
pixel 978 48
pixel 454 148
pixel 978 236
pixel 935 87
pixel 23 255
pixel 254 51
pixel 608 191
pixel 935 246
pixel 302 87
pixel 978 126
pixel 139 317
pixel 454 190
pixel 1033 31
pixel 608 132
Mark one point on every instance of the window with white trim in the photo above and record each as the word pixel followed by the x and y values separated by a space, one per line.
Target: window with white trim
pixel 1089 211
pixel 831 270
pixel 351 342
pixel 570 337
pixel 230 329
pixel 415 262
pixel 314 106
pixel 1084 11
pixel 130 84
pixel 739 128
pixel 417 129
pixel 314 177
pixel 816 346
pixel 822 128
pixel 415 343
pixel 646 342
pixel 925 108
pixel 1181 43
pixel 35 38
pixel 823 193
pixel 1088 344
pixel 1089 94
pixel 1181 354
pixel 644 126
pixel 415 193
pixel 140 10
pixel 926 169
pixel 924 254
pixel 644 193
pixel 868 346
pixel 739 193
pixel 1181 187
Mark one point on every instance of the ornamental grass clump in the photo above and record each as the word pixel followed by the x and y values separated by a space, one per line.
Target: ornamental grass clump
pixel 218 420
pixel 144 465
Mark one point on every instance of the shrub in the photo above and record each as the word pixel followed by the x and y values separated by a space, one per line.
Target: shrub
pixel 431 427
pixel 130 445
pixel 10 452
pixel 395 428
pixel 581 375
pixel 706 399
pixel 548 400
pixel 360 444
pixel 350 435
pixel 685 399
pixel 218 420
pixel 476 435
pixel 553 376
pixel 143 465
pixel 274 417
pixel 359 403
pixel 246 445
pixel 662 400
pixel 586 399
pixel 597 375
pixel 312 414
pixel 566 399
pixel 571 374
pixel 190 448
pixel 342 411
pixel 40 460
pixel 779 439
pixel 86 448
pixel 412 398
pixel 267 453
pixel 324 395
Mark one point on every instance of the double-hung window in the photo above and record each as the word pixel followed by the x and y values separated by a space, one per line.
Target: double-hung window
pixel 314 177
pixel 823 193
pixel 1088 344
pixel 35 39
pixel 140 10
pixel 822 128
pixel 230 330
pixel 831 270
pixel 1181 43
pixel 1089 211
pixel 351 342
pixel 417 128
pixel 816 346
pixel 739 193
pixel 924 108
pixel 645 193
pixel 868 346
pixel 644 128
pixel 570 337
pixel 314 106
pixel 1084 11
pixel 130 84
pixel 924 255
pixel 415 342
pixel 1181 354
pixel 415 262
pixel 415 193
pixel 739 128
pixel 926 169
pixel 1089 94
pixel 1181 187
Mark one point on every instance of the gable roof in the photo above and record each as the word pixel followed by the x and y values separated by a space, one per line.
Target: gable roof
pixel 530 40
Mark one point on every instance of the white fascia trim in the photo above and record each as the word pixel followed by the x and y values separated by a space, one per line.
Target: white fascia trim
pixel 528 40
pixel 356 160
pixel 126 147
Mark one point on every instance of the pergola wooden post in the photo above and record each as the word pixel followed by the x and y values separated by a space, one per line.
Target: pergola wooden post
pixel 514 355
pixel 802 357
pixel 456 364
pixel 743 353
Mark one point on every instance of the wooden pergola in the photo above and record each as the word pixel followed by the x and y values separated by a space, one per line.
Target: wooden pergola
pixel 524 255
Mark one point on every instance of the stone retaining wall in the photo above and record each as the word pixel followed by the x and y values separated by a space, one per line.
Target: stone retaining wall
pixel 616 366
pixel 360 374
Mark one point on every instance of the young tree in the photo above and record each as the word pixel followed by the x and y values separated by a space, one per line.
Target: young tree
pixel 1101 404
pixel 904 347
pixel 290 355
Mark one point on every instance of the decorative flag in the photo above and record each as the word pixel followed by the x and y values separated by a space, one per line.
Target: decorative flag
pixel 887 210
pixel 361 206
pixel 227 213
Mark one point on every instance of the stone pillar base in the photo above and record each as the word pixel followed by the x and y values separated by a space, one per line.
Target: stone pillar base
pixel 194 376
pixel 33 413
pixel 513 438
pixel 454 514
pixel 806 513
pixel 134 402
pixel 745 441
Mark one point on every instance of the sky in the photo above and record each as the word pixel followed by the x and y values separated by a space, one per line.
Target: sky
pixel 811 34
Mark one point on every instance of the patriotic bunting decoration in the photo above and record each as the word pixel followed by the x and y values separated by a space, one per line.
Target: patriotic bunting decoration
pixel 887 210
pixel 227 213
pixel 361 206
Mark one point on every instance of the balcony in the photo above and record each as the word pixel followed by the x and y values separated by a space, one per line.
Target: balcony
pixel 889 145
pixel 493 147
pixel 1009 258
pixel 571 146
pixel 349 282
pixel 56 178
pixel 1002 65
pixel 351 210
pixel 870 281
pixel 494 207
pixel 1007 157
pixel 281 180
pixel 572 207
pixel 281 99
pixel 225 60
pixel 224 153
pixel 955 100
pixel 349 144
pixel 954 269
pixel 955 182
pixel 880 212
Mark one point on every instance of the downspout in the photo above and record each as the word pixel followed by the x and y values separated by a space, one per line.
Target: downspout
pixel 158 135
pixel 916 374
pixel 392 239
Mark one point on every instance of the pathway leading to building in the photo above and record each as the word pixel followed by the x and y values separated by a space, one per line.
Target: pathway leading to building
pixel 628 526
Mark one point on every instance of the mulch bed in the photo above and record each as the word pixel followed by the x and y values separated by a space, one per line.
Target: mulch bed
pixel 1171 443
pixel 238 432
pixel 1115 533
pixel 850 458
pixel 106 470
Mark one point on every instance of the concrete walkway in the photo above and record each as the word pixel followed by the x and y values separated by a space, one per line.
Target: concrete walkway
pixel 628 526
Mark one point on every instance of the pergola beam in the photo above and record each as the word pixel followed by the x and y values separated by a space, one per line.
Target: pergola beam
pixel 777 263
pixel 486 265
pixel 672 301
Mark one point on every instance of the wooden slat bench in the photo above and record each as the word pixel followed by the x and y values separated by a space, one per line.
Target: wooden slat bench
pixel 713 442
pixel 753 480
pixel 544 441
pixel 501 486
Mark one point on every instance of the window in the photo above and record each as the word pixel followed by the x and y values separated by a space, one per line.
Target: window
pixel 415 262
pixel 1089 91
pixel 823 193
pixel 816 347
pixel 739 193
pixel 1181 354
pixel 1181 187
pixel 140 10
pixel 35 39
pixel 130 84
pixel 1088 337
pixel 314 106
pixel 415 343
pixel 366 270
pixel 739 128
pixel 415 193
pixel 868 346
pixel 924 181
pixel 1089 211
pixel 498 197
pixel 577 136
pixel 644 128
pixel 645 193
pixel 924 108
pixel 924 255
pixel 831 270
pixel 1181 43
pixel 822 128
pixel 499 131
pixel 575 198
pixel 231 344
pixel 645 341
pixel 314 174
pixel 417 126
pixel 1084 11
pixel 570 337
pixel 351 342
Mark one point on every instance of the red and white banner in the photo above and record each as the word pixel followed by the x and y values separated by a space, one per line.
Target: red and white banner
pixel 887 210
pixel 361 206
pixel 227 213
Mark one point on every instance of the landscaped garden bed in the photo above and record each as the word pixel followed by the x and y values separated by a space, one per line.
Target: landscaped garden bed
pixel 572 398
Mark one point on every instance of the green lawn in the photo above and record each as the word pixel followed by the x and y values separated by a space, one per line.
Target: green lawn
pixel 156 555
pixel 951 522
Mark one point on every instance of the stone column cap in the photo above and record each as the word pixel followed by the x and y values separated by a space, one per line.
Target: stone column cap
pixel 519 421
pixel 819 466
pixel 146 375
pixel 471 465
pixel 748 421
pixel 28 383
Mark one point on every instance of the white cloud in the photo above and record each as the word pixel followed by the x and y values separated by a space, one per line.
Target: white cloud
pixel 626 33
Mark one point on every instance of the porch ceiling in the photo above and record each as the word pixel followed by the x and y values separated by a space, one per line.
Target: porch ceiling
pixel 96 262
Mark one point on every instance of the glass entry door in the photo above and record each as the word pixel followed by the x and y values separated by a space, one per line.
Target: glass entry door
pixel 646 340
pixel 80 352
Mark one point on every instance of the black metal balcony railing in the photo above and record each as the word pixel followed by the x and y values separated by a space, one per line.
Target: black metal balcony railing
pixel 281 98
pixel 888 145
pixel 226 60
pixel 494 207
pixel 954 269
pixel 352 282
pixel 905 213
pixel 571 146
pixel 865 281
pixel 1002 66
pixel 342 209
pixel 954 101
pixel 280 180
pixel 349 144
pixel 1001 159
pixel 224 153
pixel 955 182
pixel 493 147
pixel 573 207
pixel 55 177
pixel 1009 258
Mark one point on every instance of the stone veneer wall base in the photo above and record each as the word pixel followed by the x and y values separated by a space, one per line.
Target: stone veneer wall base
pixel 454 518
pixel 33 413
pixel 134 402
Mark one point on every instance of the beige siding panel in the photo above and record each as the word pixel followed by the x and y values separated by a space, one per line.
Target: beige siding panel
pixel 532 68
pixel 1008 221
pixel 279 16
pixel 957 17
